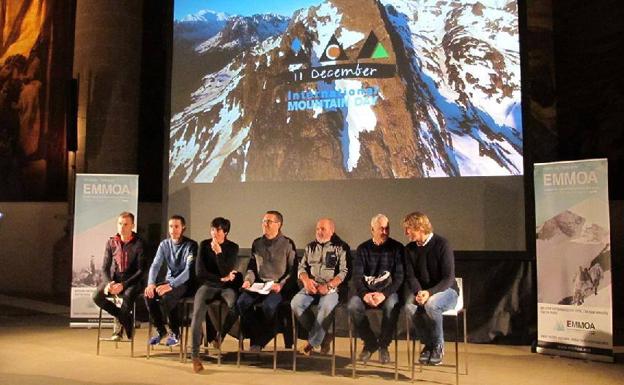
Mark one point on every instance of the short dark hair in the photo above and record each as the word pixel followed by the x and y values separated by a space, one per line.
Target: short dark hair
pixel 221 223
pixel 126 214
pixel 179 218
pixel 280 217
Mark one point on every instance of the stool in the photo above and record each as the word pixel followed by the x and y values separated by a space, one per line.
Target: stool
pixel 178 308
pixel 332 357
pixel 353 345
pixel 455 312
pixel 100 339
pixel 188 306
pixel 283 305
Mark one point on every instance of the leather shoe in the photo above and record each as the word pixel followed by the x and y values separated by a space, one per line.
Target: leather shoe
pixel 384 356
pixel 365 355
pixel 425 354
pixel 436 355
pixel 307 349
pixel 197 365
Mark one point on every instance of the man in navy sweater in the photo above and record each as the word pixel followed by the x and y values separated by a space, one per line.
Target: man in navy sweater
pixel 430 277
pixel 377 276
pixel 178 252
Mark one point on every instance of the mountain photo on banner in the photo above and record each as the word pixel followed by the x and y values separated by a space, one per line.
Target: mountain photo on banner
pixel 338 89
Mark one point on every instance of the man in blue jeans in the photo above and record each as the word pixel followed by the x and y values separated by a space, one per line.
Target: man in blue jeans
pixel 321 270
pixel 432 289
pixel 377 276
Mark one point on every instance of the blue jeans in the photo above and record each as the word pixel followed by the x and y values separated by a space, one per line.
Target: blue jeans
pixel 261 329
pixel 427 319
pixel 390 313
pixel 316 327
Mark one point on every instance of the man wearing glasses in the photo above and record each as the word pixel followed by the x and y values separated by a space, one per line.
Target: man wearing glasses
pixel 272 259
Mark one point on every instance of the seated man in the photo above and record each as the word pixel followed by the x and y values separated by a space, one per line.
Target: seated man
pixel 218 279
pixel 377 276
pixel 321 270
pixel 430 277
pixel 178 252
pixel 272 259
pixel 124 253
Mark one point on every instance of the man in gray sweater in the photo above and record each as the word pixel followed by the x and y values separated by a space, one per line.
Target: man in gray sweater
pixel 321 270
pixel 272 259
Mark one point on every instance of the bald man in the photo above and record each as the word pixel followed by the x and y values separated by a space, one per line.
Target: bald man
pixel 321 270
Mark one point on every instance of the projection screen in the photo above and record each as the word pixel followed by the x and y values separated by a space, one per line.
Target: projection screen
pixel 347 109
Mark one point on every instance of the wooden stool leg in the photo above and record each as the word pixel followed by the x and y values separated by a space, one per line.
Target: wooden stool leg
pixel 294 347
pixel 99 332
pixel 333 364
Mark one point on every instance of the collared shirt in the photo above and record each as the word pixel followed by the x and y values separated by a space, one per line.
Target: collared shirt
pixel 426 240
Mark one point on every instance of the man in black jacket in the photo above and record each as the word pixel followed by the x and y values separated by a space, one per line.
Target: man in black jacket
pixel 218 279
pixel 430 271
pixel 124 269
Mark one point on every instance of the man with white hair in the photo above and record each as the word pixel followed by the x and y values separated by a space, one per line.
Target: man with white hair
pixel 377 276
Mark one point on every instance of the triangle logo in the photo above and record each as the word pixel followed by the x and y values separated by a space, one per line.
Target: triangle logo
pixel 333 51
pixel 380 52
pixel 297 53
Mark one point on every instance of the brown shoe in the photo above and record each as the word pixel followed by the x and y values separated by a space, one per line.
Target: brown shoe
pixel 326 344
pixel 197 365
pixel 307 349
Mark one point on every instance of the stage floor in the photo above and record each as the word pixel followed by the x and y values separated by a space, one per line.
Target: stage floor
pixel 37 347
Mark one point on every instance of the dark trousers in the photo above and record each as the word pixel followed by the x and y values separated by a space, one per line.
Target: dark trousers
pixel 129 295
pixel 161 307
pixel 203 297
pixel 390 312
pixel 260 328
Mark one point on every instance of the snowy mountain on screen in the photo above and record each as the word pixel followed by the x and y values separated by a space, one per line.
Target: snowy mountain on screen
pixel 458 80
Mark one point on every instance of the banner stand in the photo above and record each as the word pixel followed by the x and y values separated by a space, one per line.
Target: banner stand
pixel 573 254
pixel 99 198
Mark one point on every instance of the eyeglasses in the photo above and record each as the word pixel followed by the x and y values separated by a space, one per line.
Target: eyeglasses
pixel 269 221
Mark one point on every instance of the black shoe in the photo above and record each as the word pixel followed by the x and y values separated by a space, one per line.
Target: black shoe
pixel 436 355
pixel 364 356
pixel 384 356
pixel 425 354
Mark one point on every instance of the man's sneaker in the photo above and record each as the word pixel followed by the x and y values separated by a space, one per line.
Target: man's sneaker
pixel 117 336
pixel 425 354
pixel 307 349
pixel 384 356
pixel 326 344
pixel 436 355
pixel 197 365
pixel 155 340
pixel 364 356
pixel 172 340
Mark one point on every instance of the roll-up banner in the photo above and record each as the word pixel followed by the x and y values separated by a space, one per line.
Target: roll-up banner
pixel 573 259
pixel 99 199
